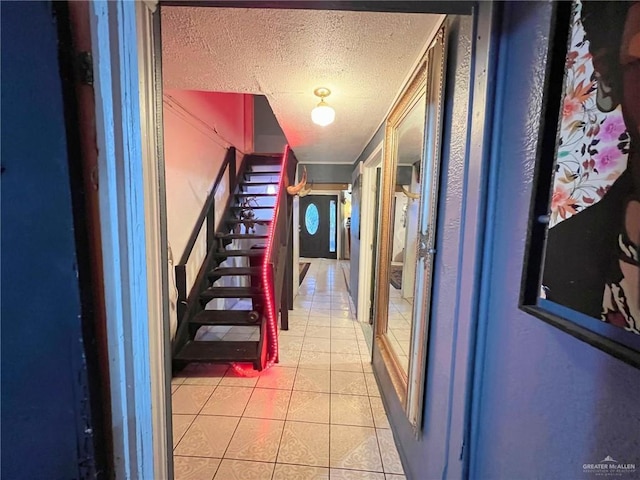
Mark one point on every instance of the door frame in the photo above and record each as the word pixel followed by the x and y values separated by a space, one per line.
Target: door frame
pixel 367 222
pixel 141 415
pixel 133 224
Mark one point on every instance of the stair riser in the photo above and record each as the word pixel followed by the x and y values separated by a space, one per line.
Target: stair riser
pixel 218 352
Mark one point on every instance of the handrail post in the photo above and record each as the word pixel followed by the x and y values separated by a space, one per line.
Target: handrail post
pixel 232 167
pixel 289 271
pixel 211 225
pixel 284 307
pixel 181 285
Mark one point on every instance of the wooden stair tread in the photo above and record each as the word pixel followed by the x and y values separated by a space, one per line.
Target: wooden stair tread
pixel 254 252
pixel 265 159
pixel 226 317
pixel 249 194
pixel 241 236
pixel 239 220
pixel 230 292
pixel 221 351
pixel 259 207
pixel 257 184
pixel 262 173
pixel 227 271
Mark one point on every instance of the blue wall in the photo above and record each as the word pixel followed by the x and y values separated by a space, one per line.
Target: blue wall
pixel 371 146
pixel 44 401
pixel 546 402
pixel 327 172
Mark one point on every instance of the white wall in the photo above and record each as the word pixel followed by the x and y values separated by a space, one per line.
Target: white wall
pixel 198 129
pixel 411 242
pixel 399 228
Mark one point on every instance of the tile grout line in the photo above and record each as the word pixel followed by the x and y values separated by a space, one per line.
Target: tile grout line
pixel 195 416
pixel 185 431
pixel 314 294
pixel 284 425
pixel 237 425
pixel 291 396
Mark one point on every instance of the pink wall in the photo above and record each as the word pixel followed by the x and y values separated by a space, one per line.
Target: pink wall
pixel 198 128
pixel 226 113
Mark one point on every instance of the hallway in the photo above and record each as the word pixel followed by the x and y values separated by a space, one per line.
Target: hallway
pixel 317 415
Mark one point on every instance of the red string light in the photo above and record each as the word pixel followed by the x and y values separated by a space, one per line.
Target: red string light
pixel 267 282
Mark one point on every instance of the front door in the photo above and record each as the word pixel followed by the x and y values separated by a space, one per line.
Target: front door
pixel 318 226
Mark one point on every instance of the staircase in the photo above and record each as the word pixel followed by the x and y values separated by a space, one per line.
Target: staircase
pixel 231 312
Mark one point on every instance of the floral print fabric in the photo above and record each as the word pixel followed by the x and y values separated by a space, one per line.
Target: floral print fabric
pixel 593 146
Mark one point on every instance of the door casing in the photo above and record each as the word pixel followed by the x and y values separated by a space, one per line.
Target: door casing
pixel 367 224
pixel 138 412
pixel 133 230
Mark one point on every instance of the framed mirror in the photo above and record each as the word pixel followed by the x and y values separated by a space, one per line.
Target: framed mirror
pixel 406 251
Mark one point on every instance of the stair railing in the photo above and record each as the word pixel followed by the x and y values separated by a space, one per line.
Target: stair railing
pixel 207 219
pixel 277 261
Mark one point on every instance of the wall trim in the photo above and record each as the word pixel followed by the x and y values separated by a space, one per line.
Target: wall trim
pixel 152 129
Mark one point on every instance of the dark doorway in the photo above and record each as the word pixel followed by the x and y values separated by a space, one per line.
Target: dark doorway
pixel 374 247
pixel 318 226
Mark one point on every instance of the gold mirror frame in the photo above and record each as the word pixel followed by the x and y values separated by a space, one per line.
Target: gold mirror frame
pixel 428 79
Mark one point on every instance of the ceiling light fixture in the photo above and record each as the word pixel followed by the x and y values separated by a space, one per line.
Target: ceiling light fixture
pixel 323 114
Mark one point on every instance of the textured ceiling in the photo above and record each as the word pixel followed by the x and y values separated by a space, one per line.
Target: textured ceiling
pixel 363 57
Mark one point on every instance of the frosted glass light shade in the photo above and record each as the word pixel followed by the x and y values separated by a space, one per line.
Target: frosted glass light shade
pixel 323 114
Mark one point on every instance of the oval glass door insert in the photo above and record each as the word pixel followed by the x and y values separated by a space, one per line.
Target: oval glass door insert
pixel 311 219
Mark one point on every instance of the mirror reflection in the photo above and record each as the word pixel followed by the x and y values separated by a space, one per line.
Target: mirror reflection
pixel 407 230
pixel 409 136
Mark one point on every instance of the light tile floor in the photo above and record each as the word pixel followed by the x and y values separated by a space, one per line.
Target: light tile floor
pixel 399 326
pixel 315 416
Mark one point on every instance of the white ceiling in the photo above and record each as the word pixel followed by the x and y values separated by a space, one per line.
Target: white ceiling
pixel 363 57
